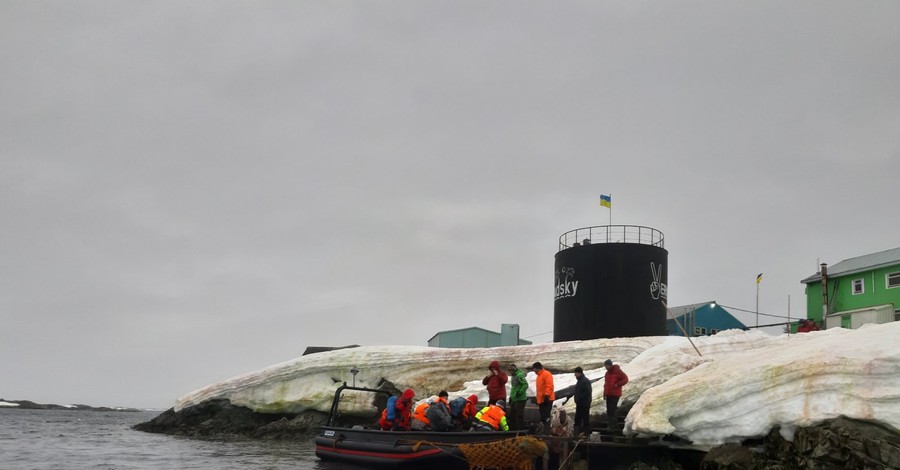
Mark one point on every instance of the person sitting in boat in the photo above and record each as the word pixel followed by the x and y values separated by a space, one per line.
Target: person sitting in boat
pixel 420 420
pixel 491 418
pixel 462 412
pixel 395 416
pixel 438 414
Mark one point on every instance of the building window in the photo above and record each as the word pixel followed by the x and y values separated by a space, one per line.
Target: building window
pixel 858 287
pixel 893 280
pixel 699 330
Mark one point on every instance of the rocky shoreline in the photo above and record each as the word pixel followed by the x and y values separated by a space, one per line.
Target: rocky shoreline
pixel 219 418
pixel 840 443
pixel 30 405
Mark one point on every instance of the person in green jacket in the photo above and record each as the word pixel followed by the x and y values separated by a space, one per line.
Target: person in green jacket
pixel 517 395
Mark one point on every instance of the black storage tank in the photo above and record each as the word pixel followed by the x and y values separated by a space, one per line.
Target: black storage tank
pixel 611 282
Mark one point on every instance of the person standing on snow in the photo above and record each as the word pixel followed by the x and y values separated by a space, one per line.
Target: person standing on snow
pixel 518 394
pixel 612 390
pixel 496 383
pixel 583 396
pixel 544 394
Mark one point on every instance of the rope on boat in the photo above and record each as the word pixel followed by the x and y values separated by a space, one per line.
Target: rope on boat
pixel 574 448
pixel 517 452
pixel 436 445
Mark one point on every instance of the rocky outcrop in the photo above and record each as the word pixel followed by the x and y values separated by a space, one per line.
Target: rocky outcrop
pixel 217 418
pixel 837 444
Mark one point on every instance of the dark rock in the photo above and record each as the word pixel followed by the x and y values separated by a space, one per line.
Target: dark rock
pixel 286 428
pixel 221 418
pixel 730 457
pixel 837 444
pixel 662 464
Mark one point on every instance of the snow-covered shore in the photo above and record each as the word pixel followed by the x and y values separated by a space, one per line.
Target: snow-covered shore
pixel 743 385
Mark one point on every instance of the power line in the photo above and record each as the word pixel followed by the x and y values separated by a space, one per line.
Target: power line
pixel 754 312
pixel 540 334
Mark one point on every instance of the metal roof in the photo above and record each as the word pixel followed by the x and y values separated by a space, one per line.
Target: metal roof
pixel 859 264
pixel 682 309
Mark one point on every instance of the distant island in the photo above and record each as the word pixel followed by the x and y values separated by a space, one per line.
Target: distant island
pixel 30 405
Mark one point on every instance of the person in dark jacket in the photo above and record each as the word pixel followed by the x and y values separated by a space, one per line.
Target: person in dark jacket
pixel 518 394
pixel 612 390
pixel 496 383
pixel 583 397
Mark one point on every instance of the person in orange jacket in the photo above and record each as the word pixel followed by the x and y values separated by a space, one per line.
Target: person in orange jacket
pixel 544 394
pixel 420 420
pixel 612 390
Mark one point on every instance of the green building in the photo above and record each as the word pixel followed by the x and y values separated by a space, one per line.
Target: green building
pixel 476 337
pixel 860 290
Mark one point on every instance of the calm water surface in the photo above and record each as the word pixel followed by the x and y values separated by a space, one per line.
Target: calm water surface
pixel 80 440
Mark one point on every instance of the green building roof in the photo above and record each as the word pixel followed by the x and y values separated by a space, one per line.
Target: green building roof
pixel 859 264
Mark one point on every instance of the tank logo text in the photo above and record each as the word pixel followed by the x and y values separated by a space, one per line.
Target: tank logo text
pixel 566 286
pixel 657 287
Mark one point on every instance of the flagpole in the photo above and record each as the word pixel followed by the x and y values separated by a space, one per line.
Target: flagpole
pixel 757 302
pixel 610 209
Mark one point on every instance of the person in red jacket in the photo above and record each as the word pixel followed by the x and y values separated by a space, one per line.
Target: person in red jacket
pixel 807 325
pixel 612 390
pixel 496 383
pixel 402 407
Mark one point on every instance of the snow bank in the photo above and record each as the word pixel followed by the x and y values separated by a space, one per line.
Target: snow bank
pixel 309 382
pixel 8 404
pixel 790 382
pixel 744 383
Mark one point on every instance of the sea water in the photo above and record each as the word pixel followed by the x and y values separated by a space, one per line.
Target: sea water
pixel 82 440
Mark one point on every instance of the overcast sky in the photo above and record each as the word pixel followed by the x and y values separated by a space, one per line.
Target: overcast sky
pixel 195 190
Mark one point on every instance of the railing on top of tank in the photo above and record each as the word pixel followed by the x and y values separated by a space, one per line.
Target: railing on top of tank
pixel 611 234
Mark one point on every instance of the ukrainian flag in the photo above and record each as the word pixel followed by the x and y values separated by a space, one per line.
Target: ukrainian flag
pixel 605 201
pixel 759 278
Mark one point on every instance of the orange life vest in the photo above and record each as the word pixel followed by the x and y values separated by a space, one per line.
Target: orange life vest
pixel 494 416
pixel 420 412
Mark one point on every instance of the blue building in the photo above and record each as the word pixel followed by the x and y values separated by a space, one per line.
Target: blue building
pixel 706 318
pixel 475 337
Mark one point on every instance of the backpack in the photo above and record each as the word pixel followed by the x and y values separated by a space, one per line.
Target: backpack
pixel 456 406
pixel 439 417
pixel 391 409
